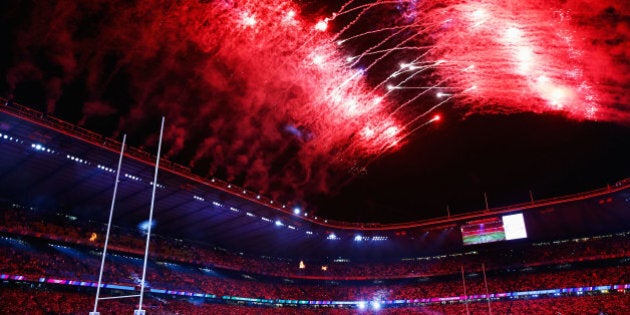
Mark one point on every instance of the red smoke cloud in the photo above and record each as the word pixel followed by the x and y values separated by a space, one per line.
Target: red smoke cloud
pixel 254 93
pixel 250 91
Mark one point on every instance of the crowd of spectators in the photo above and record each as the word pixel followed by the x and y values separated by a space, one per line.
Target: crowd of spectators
pixel 34 258
pixel 60 228
pixel 40 300
pixel 33 247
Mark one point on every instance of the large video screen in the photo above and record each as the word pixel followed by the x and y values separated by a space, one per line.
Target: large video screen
pixel 495 229
pixel 514 226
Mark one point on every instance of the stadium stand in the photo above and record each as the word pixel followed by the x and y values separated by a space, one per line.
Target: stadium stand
pixel 36 249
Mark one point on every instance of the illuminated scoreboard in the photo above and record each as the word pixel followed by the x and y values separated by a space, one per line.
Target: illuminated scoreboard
pixel 494 229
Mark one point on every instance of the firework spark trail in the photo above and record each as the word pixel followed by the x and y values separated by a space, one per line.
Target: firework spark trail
pixel 417 96
pixel 385 52
pixel 386 147
pixel 380 30
pixel 349 25
pixel 397 47
pixel 364 8
pixel 409 67
pixel 372 50
pixel 432 120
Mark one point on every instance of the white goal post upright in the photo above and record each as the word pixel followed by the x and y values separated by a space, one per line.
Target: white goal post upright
pixel 140 311
pixel 109 224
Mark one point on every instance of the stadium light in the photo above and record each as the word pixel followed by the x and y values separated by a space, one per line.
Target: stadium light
pixel 105 168
pixel 158 185
pixel 297 210
pixel 376 305
pixel 132 177
pixel 361 305
pixel 279 223
pixel 37 147
pixel 358 238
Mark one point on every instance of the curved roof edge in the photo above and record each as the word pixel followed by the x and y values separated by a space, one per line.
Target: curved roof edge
pixel 93 138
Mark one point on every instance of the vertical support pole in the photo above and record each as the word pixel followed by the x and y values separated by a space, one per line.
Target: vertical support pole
pixel 139 311
pixel 485 281
pixel 109 225
pixel 485 199
pixel 465 295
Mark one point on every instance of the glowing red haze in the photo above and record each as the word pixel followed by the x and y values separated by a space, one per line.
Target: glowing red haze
pixel 250 90
pixel 255 93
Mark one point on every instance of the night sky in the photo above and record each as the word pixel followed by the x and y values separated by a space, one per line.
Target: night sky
pixel 234 106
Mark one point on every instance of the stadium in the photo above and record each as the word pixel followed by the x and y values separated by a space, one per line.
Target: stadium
pixel 224 218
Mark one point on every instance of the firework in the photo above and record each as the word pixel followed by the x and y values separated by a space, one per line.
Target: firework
pixel 257 93
pixel 496 56
pixel 252 92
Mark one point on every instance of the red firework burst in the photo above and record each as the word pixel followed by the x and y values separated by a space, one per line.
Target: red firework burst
pixel 502 56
